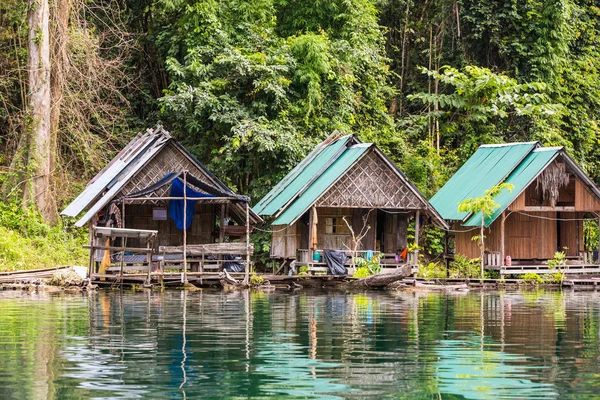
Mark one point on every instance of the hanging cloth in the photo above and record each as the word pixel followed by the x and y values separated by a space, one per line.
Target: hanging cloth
pixel 315 220
pixel 176 206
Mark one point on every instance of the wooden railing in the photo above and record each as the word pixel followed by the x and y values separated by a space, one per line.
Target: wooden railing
pixel 305 257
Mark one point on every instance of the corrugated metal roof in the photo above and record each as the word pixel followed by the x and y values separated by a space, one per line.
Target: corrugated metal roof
pixel 128 156
pixel 489 166
pixel 297 180
pixel 520 178
pixel 322 183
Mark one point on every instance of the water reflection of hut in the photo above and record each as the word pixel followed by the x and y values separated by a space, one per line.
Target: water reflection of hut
pixel 544 213
pixel 340 188
pixel 155 189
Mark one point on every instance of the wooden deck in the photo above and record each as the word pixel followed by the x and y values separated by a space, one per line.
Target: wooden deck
pixel 543 269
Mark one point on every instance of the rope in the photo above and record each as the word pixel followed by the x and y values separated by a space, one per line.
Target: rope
pixel 271 231
pixel 553 219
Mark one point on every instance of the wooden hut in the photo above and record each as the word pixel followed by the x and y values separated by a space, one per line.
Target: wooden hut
pixel 342 190
pixel 154 202
pixel 543 214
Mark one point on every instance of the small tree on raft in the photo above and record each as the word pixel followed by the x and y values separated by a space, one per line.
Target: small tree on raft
pixel 484 205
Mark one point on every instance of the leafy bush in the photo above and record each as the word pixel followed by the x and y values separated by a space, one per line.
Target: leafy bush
pixel 371 265
pixel 532 277
pixel 463 267
pixel 362 272
pixel 432 270
pixel 256 280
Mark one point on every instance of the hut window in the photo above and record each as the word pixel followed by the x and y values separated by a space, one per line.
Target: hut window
pixel 336 226
pixel 159 214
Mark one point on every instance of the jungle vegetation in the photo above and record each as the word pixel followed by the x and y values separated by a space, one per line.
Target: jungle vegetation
pixel 250 86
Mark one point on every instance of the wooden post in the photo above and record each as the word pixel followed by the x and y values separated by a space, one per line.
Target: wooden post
pixel 310 234
pixel 577 236
pixel 417 228
pixel 122 259
pixel 150 246
pixel 222 224
pixel 185 227
pixel 247 269
pixel 446 261
pixel 221 234
pixel 502 235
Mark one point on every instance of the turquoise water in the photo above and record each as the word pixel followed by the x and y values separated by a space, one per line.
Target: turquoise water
pixel 326 345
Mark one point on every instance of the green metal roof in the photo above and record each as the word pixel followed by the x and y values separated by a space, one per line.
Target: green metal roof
pixel 285 191
pixel 321 184
pixel 489 166
pixel 520 178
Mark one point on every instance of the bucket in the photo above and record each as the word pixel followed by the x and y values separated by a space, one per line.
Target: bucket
pixel 316 256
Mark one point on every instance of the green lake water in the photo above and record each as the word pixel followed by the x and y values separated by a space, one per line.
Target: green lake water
pixel 307 344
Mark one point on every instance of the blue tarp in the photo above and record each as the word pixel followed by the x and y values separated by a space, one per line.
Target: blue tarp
pixel 176 206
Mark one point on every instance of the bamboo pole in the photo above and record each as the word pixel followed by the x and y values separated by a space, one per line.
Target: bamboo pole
pixel 185 227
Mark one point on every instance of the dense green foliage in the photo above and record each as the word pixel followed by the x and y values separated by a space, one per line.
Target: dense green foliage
pixel 250 86
pixel 27 243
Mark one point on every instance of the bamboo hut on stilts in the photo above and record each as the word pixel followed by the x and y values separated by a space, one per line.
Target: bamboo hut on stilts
pixel 176 222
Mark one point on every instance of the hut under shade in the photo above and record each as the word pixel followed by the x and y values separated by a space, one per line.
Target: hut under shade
pixel 344 192
pixel 542 215
pixel 137 217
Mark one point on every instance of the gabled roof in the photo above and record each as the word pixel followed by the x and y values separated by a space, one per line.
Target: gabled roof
pixel 517 163
pixel 107 184
pixel 489 166
pixel 319 171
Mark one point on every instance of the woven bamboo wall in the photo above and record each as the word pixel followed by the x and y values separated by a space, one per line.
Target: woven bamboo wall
pixel 370 183
pixel 169 159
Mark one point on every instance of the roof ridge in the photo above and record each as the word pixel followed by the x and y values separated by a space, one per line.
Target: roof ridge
pixel 508 144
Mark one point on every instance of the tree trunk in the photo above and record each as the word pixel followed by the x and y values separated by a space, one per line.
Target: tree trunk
pixel 37 192
pixel 381 280
pixel 61 11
